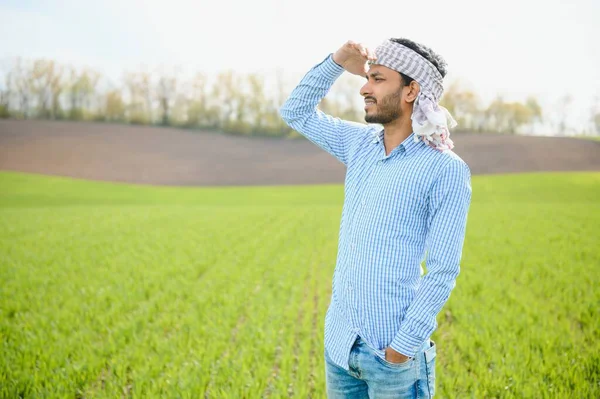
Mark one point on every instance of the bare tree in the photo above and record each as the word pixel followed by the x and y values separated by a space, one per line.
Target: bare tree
pixel 145 86
pixel 114 106
pixel 5 91
pixel 464 105
pixel 595 115
pixel 82 88
pixel 166 92
pixel 139 92
pixel 197 114
pixel 563 110
pixel 278 126
pixel 224 96
pixel 257 103
pixel 47 85
pixel 509 117
pixel 535 109
pixel 21 82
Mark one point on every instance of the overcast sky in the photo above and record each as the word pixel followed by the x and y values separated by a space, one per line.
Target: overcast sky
pixel 512 47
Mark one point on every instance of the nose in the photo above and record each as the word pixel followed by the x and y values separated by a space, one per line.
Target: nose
pixel 365 90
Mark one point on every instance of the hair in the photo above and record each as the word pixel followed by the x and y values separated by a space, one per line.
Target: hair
pixel 438 62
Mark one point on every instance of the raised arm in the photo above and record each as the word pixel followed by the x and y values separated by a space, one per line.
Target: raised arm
pixel 300 111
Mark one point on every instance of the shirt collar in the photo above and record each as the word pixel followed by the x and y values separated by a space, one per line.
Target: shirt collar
pixel 408 146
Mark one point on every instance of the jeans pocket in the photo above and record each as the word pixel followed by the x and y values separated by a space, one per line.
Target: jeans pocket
pixel 430 354
pixel 397 366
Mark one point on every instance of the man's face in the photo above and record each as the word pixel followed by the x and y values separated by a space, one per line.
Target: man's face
pixel 383 95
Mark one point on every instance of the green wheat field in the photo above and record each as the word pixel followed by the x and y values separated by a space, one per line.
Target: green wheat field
pixel 112 290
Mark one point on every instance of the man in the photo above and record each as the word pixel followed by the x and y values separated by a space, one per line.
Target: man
pixel 406 198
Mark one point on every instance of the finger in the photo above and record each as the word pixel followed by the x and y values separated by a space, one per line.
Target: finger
pixel 361 49
pixel 371 55
pixel 351 45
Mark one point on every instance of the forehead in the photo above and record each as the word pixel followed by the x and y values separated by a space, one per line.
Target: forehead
pixel 377 69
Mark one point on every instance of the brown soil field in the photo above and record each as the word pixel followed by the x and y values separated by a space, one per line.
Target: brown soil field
pixel 169 156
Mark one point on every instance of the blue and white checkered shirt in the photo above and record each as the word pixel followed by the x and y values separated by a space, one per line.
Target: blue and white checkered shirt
pixel 397 208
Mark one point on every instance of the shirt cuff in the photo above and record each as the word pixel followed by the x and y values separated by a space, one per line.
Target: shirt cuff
pixel 329 69
pixel 405 344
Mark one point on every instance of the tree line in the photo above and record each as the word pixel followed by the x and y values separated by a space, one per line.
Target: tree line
pixel 243 104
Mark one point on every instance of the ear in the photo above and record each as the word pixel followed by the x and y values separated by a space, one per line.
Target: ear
pixel 413 91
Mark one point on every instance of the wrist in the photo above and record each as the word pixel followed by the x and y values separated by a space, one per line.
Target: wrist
pixel 396 353
pixel 406 344
pixel 335 59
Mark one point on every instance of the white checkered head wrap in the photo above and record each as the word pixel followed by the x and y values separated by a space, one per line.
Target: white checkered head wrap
pixel 430 121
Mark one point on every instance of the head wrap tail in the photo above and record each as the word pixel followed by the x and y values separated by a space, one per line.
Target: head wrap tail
pixel 432 123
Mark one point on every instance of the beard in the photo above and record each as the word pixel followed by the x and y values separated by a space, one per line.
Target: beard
pixel 387 111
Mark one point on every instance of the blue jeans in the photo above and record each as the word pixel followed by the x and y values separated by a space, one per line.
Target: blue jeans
pixel 371 376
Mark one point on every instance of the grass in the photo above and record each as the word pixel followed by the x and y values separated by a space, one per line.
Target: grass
pixel 113 290
pixel 588 137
